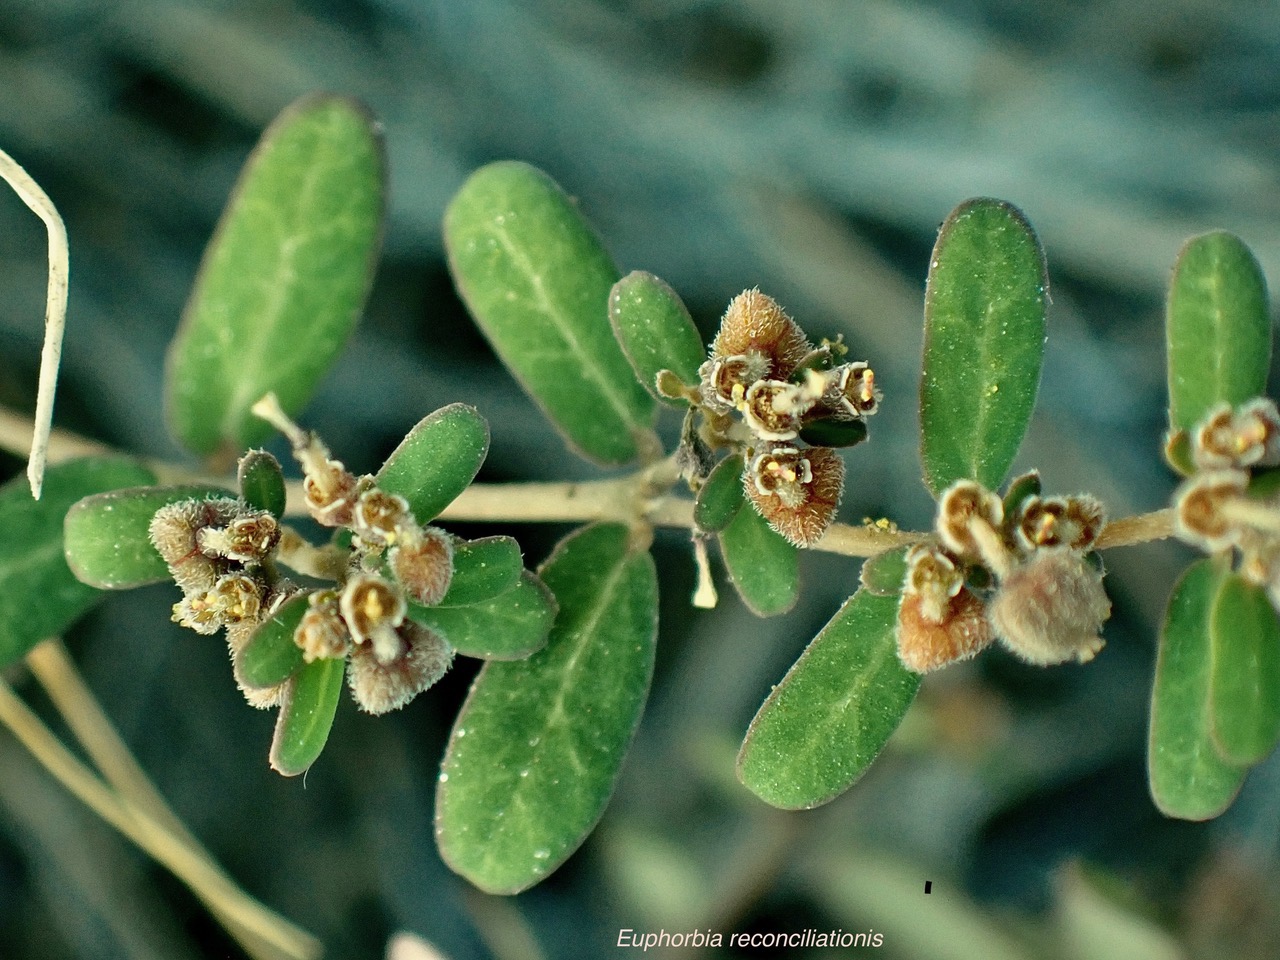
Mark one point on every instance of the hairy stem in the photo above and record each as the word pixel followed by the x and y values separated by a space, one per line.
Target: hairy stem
pixel 642 496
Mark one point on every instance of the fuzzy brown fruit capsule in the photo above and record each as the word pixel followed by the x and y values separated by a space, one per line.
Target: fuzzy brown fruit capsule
pixel 926 644
pixel 423 563
pixel 796 491
pixel 381 686
pixel 1050 608
pixel 755 324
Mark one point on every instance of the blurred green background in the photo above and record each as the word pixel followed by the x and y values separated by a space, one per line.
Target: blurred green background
pixel 808 148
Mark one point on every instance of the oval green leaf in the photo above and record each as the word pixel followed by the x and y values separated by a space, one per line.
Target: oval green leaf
pixel 763 567
pixel 537 748
pixel 261 482
pixel 884 574
pixel 306 715
pixel 1189 779
pixel 107 540
pixel 833 432
pixel 833 712
pixel 1245 695
pixel 482 570
pixel 984 316
pixel 39 595
pixel 655 332
pixel 1020 489
pixel 536 279
pixel 1218 327
pixel 284 278
pixel 437 459
pixel 721 496
pixel 271 656
pixel 509 626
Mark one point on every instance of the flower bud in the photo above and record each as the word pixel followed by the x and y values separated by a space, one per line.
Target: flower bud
pixel 381 686
pixel 797 492
pixel 1050 608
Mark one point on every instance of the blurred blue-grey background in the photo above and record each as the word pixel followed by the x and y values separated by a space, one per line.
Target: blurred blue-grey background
pixel 811 149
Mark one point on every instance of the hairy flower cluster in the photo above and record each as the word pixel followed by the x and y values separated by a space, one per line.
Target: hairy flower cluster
pixel 220 552
pixel 216 549
pixel 763 386
pixel 1232 503
pixel 1021 575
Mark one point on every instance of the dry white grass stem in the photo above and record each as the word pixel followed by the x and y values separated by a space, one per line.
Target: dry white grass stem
pixel 55 312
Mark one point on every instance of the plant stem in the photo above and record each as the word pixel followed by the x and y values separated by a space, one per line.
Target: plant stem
pixel 1141 528
pixel 613 499
pixel 263 934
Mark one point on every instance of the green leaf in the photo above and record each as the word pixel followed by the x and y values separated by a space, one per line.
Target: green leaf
pixel 655 332
pixel 107 538
pixel 1189 780
pixel 284 278
pixel 537 279
pixel 261 482
pixel 437 460
pixel 1245 696
pixel 833 712
pixel 39 595
pixel 984 317
pixel 1218 328
pixel 510 626
pixel 1020 490
pixel 306 715
pixel 721 496
pixel 884 574
pixel 271 656
pixel 537 748
pixel 482 570
pixel 763 567
pixel 833 432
